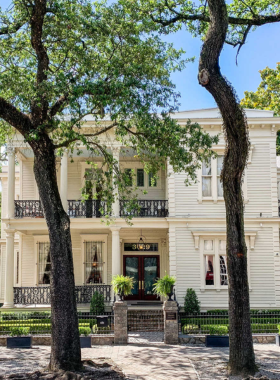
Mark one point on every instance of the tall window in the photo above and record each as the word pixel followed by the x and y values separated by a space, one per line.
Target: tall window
pixel 215 262
pixel 93 262
pixel 140 178
pixel 206 179
pixel 17 267
pixel 152 180
pixel 44 266
pixel 128 173
pixel 220 190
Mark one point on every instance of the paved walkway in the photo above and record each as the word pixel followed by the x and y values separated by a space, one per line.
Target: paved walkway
pixel 151 362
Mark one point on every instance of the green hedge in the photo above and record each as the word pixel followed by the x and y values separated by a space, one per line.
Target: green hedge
pixel 257 328
pixel 35 328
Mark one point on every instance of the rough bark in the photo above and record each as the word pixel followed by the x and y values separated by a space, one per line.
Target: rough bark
pixel 65 346
pixel 241 358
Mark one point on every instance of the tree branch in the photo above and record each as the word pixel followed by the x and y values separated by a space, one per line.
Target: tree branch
pixel 58 105
pixel 14 117
pixel 11 29
pixel 65 144
pixel 255 21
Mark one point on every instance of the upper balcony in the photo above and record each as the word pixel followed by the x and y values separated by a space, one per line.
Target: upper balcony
pixel 95 209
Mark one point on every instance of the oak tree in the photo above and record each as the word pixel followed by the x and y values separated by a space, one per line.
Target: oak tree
pixel 218 23
pixel 61 60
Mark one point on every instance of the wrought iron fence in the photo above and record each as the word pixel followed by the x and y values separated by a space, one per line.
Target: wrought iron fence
pixel 144 208
pixel 87 209
pixel 40 295
pixel 145 320
pixel 31 209
pixel 264 322
pixel 39 323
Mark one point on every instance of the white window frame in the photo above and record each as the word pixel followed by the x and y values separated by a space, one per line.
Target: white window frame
pixel 199 237
pixel 214 185
pixel 95 238
pixel 39 239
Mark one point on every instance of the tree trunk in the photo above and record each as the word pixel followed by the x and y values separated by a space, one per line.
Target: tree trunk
pixel 241 358
pixel 65 346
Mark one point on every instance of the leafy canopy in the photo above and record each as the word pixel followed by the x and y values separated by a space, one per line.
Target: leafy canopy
pixel 91 58
pixel 267 96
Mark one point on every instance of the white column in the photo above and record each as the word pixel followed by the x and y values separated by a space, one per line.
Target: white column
pixel 116 251
pixel 116 204
pixel 9 270
pixel 11 182
pixel 64 180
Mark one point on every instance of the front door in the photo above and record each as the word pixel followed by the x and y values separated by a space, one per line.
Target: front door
pixel 144 270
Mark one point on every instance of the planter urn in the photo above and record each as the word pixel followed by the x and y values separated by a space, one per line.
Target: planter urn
pixel 217 341
pixel 19 342
pixel 171 293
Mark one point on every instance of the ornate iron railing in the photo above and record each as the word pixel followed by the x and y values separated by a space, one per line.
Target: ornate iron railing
pixel 145 208
pixel 76 209
pixel 40 295
pixel 31 209
pixel 86 209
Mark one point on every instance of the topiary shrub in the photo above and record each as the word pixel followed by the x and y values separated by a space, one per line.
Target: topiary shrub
pixel 84 331
pixel 191 303
pixel 19 331
pixel 97 305
pixel 217 329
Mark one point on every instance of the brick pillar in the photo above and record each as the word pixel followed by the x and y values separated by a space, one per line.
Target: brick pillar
pixel 170 311
pixel 120 322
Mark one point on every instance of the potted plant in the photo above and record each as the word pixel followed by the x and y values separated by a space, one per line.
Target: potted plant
pixel 85 339
pixel 164 286
pixel 218 336
pixel 20 338
pixel 122 285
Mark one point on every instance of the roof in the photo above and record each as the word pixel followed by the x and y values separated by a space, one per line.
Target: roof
pixel 214 113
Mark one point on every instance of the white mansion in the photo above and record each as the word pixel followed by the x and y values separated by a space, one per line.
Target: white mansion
pixel 177 229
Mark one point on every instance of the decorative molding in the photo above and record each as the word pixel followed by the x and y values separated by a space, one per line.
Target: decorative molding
pixel 250 154
pixel 273 130
pixel 198 233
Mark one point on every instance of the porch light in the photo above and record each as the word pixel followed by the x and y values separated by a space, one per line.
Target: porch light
pixel 142 245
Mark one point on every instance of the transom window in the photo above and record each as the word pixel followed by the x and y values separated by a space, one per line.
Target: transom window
pixel 150 247
pixel 215 263
pixel 44 267
pixel 93 265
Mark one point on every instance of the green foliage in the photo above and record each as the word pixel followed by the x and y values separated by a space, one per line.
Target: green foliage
pixel 101 330
pixel 97 305
pixel 84 331
pixel 19 331
pixel 191 302
pixel 163 286
pixel 217 329
pixel 122 284
pixel 102 61
pixel 267 96
pixel 6 316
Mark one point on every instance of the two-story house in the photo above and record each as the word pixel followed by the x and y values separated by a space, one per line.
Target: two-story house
pixel 179 230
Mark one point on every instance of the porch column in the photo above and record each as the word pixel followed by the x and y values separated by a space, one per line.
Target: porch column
pixel 116 251
pixel 11 183
pixel 116 204
pixel 64 180
pixel 9 269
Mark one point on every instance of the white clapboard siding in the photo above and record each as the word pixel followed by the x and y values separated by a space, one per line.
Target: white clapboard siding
pixel 262 281
pixel 259 182
pixel 4 202
pixel 74 180
pixel 28 260
pixel 28 181
pixel 262 270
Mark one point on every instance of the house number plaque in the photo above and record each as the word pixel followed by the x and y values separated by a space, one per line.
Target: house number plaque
pixel 171 316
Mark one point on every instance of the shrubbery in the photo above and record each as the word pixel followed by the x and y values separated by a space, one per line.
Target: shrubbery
pixel 97 305
pixel 191 303
pixel 84 331
pixel 19 331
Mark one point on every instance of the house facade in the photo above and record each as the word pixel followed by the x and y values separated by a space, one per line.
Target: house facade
pixel 177 229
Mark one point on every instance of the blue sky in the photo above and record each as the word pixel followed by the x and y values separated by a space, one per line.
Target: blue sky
pixel 262 49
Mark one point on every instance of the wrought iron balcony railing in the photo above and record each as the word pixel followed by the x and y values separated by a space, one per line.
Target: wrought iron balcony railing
pixel 40 295
pixel 76 209
pixel 87 209
pixel 31 209
pixel 145 208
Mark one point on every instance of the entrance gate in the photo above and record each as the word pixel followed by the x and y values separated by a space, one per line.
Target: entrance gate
pixel 145 326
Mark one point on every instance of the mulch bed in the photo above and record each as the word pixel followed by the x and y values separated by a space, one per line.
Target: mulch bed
pixel 104 369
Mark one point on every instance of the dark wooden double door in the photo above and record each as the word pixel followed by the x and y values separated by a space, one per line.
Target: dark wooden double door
pixel 145 271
